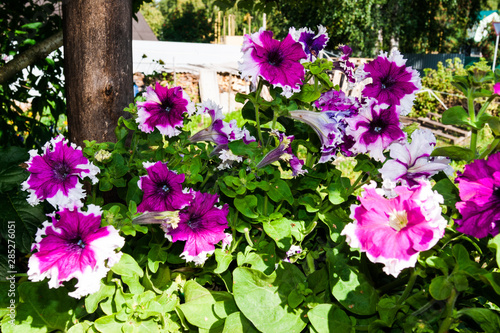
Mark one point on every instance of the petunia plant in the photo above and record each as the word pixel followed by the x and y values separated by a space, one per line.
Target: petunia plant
pixel 309 211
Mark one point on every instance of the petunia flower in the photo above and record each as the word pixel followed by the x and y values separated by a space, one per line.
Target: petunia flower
pixel 326 125
pixel 479 188
pixel 393 231
pixel 283 152
pixel 219 131
pixel 162 189
pixel 496 88
pixel 201 225
pixel 74 245
pixel 411 161
pixel 163 109
pixel 346 66
pixel 55 175
pixel 312 43
pixel 276 62
pixel 393 83
pixel 374 129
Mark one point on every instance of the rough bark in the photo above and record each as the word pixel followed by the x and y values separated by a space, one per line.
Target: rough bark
pixel 97 66
pixel 30 56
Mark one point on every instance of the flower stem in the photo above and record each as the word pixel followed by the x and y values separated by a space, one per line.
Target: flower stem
pixel 491 147
pixel 256 104
pixel 247 237
pixel 472 116
pixel 450 305
pixel 409 287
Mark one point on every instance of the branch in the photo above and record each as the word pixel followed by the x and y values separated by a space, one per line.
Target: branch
pixel 30 56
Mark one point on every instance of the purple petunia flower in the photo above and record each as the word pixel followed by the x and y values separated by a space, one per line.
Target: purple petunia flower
pixel 312 43
pixel 275 61
pixel 479 188
pixel 374 129
pixel 163 109
pixel 219 131
pixel 283 152
pixel 393 231
pixel 346 66
pixel 201 225
pixel 55 175
pixel 326 125
pixel 413 161
pixel 162 189
pixel 75 246
pixel 392 82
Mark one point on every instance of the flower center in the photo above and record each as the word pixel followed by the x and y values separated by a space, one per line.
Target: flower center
pixel 496 192
pixel 387 82
pixel 76 244
pixel 398 219
pixel 61 171
pixel 274 58
pixel 163 189
pixel 167 105
pixel 194 222
pixel 377 125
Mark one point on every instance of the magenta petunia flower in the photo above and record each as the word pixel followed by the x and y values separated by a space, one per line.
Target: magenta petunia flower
pixel 374 129
pixel 393 83
pixel 75 246
pixel 411 161
pixel 393 231
pixel 201 225
pixel 312 43
pixel 164 109
pixel 496 88
pixel 276 62
pixel 219 131
pixel 283 152
pixel 479 188
pixel 55 175
pixel 162 189
pixel 326 125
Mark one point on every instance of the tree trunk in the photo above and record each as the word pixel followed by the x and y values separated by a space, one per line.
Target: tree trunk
pixel 97 66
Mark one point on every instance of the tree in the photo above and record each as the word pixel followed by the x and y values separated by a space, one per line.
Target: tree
pixel 188 25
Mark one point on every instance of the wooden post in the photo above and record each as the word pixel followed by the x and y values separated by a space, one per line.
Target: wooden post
pixel 97 66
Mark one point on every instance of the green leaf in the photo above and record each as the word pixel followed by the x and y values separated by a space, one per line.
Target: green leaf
pixel 455 153
pixel 105 291
pixel 440 288
pixel 494 243
pixel 117 167
pixel 295 298
pixel 280 231
pixel 336 221
pixel 338 190
pixel 263 299
pixel 237 323
pixel 11 174
pixel 279 191
pixel 350 287
pixel 223 259
pixel 26 217
pixel 246 205
pixel 156 255
pixel 134 193
pixel 456 115
pixel 494 123
pixel 127 266
pixel 42 309
pixel 487 319
pixel 34 25
pixel 448 190
pixel 330 318
pixel 308 93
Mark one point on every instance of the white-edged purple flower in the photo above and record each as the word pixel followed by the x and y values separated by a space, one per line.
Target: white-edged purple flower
pixel 412 161
pixel 163 109
pixel 393 83
pixel 201 225
pixel 219 131
pixel 283 152
pixel 312 43
pixel 72 246
pixel 345 65
pixel 55 175
pixel 374 129
pixel 162 189
pixel 227 158
pixel 276 62
pixel 393 231
pixel 326 125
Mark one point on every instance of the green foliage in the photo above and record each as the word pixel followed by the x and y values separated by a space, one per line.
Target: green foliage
pixel 188 24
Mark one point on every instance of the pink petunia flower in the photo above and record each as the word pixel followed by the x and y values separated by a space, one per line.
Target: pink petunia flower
pixel 163 109
pixel 496 88
pixel 276 62
pixel 75 246
pixel 411 161
pixel 162 189
pixel 479 188
pixel 55 175
pixel 201 225
pixel 393 83
pixel 393 231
